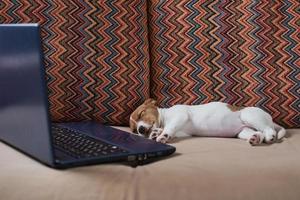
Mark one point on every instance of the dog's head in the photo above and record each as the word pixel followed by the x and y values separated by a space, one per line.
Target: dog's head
pixel 145 118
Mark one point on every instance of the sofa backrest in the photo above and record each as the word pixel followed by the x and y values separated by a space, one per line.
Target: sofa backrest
pixel 104 58
pixel 246 53
pixel 96 55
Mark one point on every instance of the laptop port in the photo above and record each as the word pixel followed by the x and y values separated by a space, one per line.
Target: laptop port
pixel 140 157
pixel 131 158
pixel 151 155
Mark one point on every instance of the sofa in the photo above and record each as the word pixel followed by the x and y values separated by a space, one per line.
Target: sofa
pixel 104 58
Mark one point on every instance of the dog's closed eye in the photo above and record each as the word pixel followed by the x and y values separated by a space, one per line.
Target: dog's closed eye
pixel 141 114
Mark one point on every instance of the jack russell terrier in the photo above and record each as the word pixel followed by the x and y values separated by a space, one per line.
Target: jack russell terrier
pixel 213 119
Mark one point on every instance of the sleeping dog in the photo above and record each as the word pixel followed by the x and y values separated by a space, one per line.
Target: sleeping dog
pixel 213 119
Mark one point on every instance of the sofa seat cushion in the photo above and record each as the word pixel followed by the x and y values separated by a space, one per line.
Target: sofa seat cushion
pixel 201 168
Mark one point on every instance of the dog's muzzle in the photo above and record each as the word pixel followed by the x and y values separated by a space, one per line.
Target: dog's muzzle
pixel 144 129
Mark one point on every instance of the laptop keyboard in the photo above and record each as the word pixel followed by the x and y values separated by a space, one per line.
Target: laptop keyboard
pixel 80 145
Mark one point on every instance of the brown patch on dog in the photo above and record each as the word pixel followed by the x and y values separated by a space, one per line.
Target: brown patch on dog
pixel 146 112
pixel 134 117
pixel 150 101
pixel 234 108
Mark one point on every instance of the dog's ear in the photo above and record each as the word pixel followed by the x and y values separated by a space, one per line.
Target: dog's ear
pixel 135 116
pixel 150 101
pixel 133 121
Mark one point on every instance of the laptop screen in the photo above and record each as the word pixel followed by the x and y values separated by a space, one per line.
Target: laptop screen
pixel 24 120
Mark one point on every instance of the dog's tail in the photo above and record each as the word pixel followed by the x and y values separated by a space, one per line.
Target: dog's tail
pixel 280 131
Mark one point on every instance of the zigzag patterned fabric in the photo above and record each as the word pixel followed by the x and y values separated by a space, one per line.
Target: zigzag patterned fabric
pixel 96 55
pixel 246 53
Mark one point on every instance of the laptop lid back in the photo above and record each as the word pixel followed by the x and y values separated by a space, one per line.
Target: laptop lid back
pixel 24 121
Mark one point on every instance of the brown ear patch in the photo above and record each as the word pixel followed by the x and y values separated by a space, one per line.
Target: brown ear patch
pixel 133 120
pixel 134 117
pixel 234 108
pixel 132 124
pixel 150 101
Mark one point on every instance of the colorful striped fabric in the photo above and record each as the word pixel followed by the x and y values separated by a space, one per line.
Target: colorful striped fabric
pixel 97 60
pixel 246 53
pixel 96 55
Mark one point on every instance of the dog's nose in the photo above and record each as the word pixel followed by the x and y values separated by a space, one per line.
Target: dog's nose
pixel 142 130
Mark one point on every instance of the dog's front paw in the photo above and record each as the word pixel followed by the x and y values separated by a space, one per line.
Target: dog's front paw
pixel 155 133
pixel 163 138
pixel 256 139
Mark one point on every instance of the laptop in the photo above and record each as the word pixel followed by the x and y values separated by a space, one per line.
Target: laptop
pixel 24 116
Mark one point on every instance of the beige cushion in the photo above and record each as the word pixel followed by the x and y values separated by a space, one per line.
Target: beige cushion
pixel 202 168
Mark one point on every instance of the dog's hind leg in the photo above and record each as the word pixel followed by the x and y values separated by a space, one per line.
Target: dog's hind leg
pixel 259 120
pixel 252 136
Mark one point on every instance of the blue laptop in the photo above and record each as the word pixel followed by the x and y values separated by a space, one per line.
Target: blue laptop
pixel 24 117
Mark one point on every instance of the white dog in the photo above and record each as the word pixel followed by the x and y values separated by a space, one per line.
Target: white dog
pixel 214 119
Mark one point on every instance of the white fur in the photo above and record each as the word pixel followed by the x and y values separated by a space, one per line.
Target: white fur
pixel 215 119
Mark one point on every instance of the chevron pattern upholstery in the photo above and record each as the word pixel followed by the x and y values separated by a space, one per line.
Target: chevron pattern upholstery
pixel 96 55
pixel 246 53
